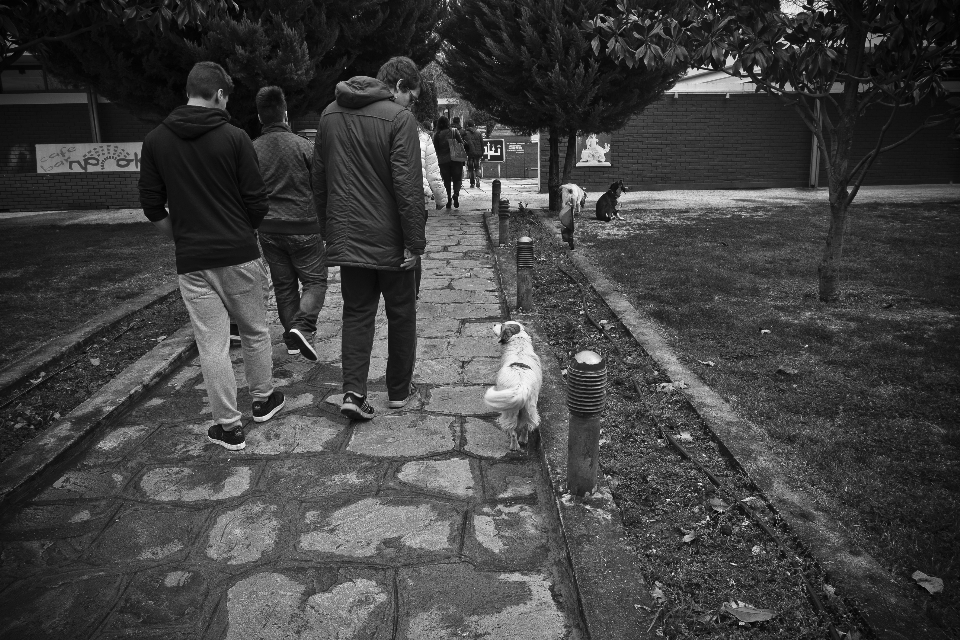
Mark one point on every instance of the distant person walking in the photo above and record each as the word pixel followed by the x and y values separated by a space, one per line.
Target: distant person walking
pixel 473 141
pixel 290 234
pixel 206 169
pixel 450 170
pixel 368 189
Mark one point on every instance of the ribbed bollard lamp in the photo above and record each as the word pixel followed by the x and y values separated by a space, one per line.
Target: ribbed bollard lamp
pixel 586 397
pixel 525 273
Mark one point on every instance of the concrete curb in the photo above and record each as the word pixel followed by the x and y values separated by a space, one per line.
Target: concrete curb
pixel 60 348
pixel 614 599
pixel 62 441
pixel 858 575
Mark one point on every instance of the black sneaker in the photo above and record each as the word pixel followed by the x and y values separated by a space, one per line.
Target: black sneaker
pixel 228 439
pixel 263 410
pixel 400 404
pixel 234 334
pixel 356 407
pixel 456 202
pixel 306 349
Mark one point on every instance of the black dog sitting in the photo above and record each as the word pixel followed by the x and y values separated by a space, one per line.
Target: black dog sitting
pixel 607 208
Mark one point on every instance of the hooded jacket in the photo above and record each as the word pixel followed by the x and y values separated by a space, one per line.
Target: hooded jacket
pixel 206 171
pixel 367 178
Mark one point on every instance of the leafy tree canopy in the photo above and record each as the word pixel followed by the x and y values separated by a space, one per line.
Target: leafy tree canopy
pixel 303 46
pixel 137 15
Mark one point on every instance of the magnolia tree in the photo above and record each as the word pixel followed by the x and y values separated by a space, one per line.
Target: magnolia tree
pixel 16 37
pixel 875 52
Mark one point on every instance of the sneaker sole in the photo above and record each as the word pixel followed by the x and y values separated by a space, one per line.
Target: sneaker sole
pixel 227 445
pixel 399 404
pixel 354 412
pixel 306 349
pixel 271 414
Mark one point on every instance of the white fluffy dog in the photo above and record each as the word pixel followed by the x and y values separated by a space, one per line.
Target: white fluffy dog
pixel 517 388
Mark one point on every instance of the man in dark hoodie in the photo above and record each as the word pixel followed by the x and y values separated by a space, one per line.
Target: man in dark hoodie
pixel 368 190
pixel 290 234
pixel 206 171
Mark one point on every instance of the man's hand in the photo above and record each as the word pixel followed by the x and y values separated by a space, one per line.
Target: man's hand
pixel 165 226
pixel 409 260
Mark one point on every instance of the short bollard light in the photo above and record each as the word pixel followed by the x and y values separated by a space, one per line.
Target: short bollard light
pixel 586 396
pixel 495 208
pixel 525 273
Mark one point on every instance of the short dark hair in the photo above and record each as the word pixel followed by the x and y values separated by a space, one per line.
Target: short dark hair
pixel 206 78
pixel 456 119
pixel 442 123
pixel 271 105
pixel 470 123
pixel 400 69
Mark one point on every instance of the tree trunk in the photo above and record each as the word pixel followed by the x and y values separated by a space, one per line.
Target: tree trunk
pixel 829 267
pixel 569 158
pixel 553 175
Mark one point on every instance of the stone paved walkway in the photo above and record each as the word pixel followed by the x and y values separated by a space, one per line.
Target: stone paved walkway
pixel 417 525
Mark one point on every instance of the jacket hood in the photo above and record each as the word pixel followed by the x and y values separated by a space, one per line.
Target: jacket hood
pixel 190 122
pixel 360 91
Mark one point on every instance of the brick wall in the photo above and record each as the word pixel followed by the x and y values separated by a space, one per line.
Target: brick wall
pixel 24 125
pixel 930 157
pixel 59 191
pixel 701 141
pixel 119 125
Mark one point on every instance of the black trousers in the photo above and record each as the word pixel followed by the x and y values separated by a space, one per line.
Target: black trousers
pixel 361 289
pixel 452 172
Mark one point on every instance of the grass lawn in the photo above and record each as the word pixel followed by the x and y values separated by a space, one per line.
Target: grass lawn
pixel 862 396
pixel 56 277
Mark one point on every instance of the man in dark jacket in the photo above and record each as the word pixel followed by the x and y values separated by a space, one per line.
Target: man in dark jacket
pixel 290 234
pixel 368 189
pixel 206 171
pixel 473 141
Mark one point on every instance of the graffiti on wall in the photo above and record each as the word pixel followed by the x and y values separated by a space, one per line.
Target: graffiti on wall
pixel 83 157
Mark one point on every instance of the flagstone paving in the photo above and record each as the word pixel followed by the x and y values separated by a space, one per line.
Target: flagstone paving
pixel 417 525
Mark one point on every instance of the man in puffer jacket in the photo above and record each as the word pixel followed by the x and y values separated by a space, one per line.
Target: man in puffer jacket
pixel 368 190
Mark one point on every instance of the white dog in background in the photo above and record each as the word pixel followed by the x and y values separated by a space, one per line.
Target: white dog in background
pixel 517 388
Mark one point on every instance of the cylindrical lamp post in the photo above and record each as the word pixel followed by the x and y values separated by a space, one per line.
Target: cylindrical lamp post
pixel 525 273
pixel 586 396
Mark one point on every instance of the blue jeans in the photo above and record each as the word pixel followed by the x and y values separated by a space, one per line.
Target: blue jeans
pixel 292 258
pixel 361 289
pixel 210 295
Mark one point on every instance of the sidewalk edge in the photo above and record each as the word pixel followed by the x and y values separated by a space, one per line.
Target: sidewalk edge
pixel 59 348
pixel 61 442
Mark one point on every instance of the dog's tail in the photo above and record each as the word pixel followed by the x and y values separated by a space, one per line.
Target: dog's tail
pixel 502 399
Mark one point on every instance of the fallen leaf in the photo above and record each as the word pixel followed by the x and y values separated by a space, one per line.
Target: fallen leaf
pixel 930 583
pixel 161 338
pixel 756 550
pixel 707 618
pixel 852 635
pixel 95 362
pixel 685 436
pixel 787 371
pixel 56 416
pixel 764 330
pixel 752 501
pixel 707 363
pixel 657 593
pixel 718 505
pixel 690 537
pixel 747 613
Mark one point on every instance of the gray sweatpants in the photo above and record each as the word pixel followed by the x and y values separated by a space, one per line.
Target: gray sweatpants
pixel 213 298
